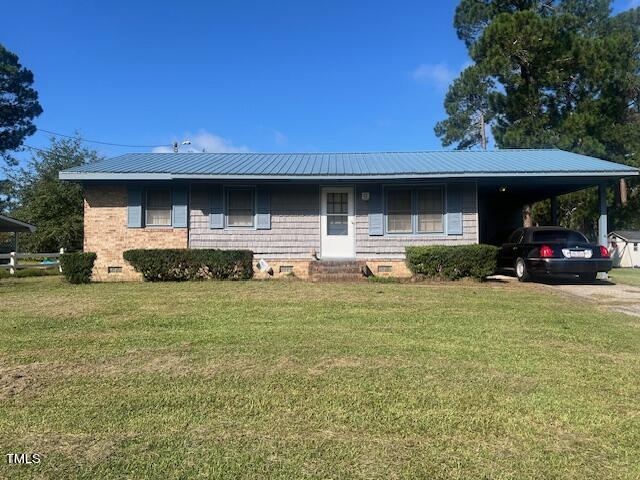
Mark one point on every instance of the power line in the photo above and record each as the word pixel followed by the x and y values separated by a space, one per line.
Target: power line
pixel 100 142
pixel 44 150
pixel 38 149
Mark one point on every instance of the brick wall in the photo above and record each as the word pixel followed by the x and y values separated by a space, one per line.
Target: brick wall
pixel 106 232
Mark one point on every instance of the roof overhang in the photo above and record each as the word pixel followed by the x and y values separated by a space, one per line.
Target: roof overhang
pixel 8 224
pixel 145 176
pixel 627 236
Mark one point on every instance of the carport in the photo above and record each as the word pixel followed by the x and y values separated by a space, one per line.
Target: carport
pixel 502 199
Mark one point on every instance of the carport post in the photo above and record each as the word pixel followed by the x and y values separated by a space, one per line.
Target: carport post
pixel 602 221
pixel 554 210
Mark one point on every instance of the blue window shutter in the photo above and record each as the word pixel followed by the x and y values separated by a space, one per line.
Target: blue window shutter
pixel 216 205
pixel 263 205
pixel 376 212
pixel 134 207
pixel 180 211
pixel 454 209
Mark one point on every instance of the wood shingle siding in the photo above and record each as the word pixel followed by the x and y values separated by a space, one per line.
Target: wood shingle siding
pixel 392 245
pixel 294 232
pixel 295 225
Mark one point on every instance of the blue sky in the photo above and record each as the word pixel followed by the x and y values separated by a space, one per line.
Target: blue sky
pixel 240 75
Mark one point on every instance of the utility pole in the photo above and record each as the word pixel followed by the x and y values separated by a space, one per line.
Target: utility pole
pixel 483 133
pixel 176 147
pixel 623 192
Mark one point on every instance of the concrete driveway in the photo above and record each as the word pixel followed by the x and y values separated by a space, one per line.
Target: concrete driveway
pixel 615 297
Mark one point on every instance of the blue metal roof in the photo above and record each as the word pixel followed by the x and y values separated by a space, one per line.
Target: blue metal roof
pixel 497 163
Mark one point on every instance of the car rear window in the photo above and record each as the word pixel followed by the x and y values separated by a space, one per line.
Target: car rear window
pixel 516 236
pixel 557 236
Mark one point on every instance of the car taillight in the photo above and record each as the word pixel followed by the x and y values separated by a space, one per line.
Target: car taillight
pixel 546 251
pixel 604 252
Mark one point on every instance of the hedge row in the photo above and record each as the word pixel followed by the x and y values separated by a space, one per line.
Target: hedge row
pixel 453 262
pixel 163 265
pixel 77 266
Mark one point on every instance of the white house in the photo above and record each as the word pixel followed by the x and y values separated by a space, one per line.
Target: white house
pixel 624 248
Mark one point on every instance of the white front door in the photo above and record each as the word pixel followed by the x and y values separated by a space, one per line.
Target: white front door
pixel 337 222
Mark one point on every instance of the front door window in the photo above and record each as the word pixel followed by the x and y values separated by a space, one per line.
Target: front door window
pixel 337 213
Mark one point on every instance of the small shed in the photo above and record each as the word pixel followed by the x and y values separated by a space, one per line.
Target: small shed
pixel 624 248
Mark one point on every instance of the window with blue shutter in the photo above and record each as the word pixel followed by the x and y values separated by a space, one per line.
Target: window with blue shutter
pixel 216 206
pixel 134 207
pixel 263 208
pixel 454 209
pixel 240 207
pixel 180 208
pixel 158 207
pixel 376 213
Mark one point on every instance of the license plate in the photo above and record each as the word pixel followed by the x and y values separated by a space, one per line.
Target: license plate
pixel 577 254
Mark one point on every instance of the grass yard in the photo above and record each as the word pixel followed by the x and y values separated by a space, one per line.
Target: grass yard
pixel 286 379
pixel 628 276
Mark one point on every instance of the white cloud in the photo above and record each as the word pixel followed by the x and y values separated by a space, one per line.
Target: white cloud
pixel 206 141
pixel 162 149
pixel 439 74
pixel 280 138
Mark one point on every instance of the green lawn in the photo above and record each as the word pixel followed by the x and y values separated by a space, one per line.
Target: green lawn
pixel 286 379
pixel 628 276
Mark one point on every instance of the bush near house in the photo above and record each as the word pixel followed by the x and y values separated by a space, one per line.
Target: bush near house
pixel 453 262
pixel 162 265
pixel 77 266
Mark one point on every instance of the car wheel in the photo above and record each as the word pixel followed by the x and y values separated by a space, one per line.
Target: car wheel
pixel 521 271
pixel 588 277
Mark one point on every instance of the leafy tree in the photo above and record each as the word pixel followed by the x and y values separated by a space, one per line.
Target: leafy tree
pixel 561 74
pixel 55 207
pixel 5 195
pixel 18 103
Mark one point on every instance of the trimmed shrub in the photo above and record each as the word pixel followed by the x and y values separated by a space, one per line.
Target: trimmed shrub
pixel 165 265
pixel 77 266
pixel 453 262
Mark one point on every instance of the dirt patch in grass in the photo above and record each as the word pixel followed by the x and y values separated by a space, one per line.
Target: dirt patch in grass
pixel 336 362
pixel 89 448
pixel 50 308
pixel 30 379
pixel 22 379
pixel 331 363
pixel 140 362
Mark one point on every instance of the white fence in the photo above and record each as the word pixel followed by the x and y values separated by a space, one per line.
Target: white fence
pixel 14 261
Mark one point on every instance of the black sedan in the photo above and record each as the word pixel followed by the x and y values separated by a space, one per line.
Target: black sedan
pixel 538 251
